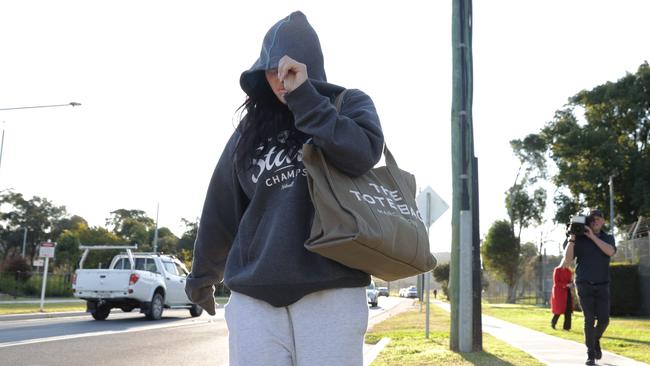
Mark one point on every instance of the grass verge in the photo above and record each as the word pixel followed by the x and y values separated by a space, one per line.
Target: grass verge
pixel 626 336
pixel 7 309
pixel 409 347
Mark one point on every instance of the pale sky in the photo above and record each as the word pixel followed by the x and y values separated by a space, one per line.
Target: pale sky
pixel 158 83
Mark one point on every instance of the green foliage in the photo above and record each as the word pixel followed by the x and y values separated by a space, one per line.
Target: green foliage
pixel 39 215
pixel 167 241
pixel 612 140
pixel 528 263
pixel 531 153
pixel 524 202
pixel 68 253
pixel 500 252
pixel 15 285
pixel 15 263
pixel 189 236
pixel 132 225
pixel 525 208
pixel 625 289
pixel 46 221
pixel 185 256
pixel 441 274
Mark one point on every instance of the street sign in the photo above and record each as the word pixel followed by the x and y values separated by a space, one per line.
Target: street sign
pixel 47 250
pixel 39 262
pixel 430 205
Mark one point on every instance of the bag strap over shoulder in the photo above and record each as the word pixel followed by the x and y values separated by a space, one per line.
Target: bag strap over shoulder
pixel 391 164
pixel 338 102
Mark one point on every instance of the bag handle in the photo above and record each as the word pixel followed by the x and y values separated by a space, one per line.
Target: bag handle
pixel 391 164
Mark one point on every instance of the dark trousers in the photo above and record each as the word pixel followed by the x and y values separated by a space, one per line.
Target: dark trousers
pixel 594 299
pixel 567 312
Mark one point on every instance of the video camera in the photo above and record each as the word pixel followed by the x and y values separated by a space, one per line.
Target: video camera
pixel 577 225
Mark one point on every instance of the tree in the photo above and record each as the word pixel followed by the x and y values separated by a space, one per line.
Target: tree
pixel 524 202
pixel 528 264
pixel 167 241
pixel 500 252
pixel 75 222
pixel 188 238
pixel 68 253
pixel 134 226
pixel 611 140
pixel 441 274
pixel 38 215
pixel 15 263
pixel 524 208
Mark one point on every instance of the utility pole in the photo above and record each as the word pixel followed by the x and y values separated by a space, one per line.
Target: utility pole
pixel 463 285
pixel 155 233
pixel 24 242
pixel 611 203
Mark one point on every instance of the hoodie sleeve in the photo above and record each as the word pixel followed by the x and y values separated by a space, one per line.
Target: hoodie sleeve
pixel 224 205
pixel 351 139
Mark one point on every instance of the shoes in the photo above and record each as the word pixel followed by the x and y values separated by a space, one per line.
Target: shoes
pixel 553 324
pixel 598 353
pixel 590 361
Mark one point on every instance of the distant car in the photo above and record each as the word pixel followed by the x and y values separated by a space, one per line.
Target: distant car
pixel 383 291
pixel 372 294
pixel 410 291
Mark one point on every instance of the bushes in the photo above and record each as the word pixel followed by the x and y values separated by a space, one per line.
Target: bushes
pixel 625 289
pixel 13 284
pixel 441 274
pixel 19 265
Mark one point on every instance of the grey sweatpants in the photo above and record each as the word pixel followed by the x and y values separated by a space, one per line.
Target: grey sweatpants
pixel 323 328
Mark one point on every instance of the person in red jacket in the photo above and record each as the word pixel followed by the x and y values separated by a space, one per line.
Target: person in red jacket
pixel 561 298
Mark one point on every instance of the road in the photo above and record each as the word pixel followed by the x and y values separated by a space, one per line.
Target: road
pixel 125 339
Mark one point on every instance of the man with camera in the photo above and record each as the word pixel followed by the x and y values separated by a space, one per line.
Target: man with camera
pixel 592 250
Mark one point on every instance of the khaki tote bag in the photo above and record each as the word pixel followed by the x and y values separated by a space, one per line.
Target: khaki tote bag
pixel 371 222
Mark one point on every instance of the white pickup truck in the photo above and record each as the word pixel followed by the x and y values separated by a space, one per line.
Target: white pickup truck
pixel 148 281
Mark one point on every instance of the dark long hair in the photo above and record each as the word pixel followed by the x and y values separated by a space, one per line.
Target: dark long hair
pixel 260 127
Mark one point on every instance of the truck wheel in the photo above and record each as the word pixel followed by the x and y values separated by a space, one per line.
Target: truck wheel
pixel 196 310
pixel 155 308
pixel 101 313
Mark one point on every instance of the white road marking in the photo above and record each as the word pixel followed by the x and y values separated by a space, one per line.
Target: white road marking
pixel 196 323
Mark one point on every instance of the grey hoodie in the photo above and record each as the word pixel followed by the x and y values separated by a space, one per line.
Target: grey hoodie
pixel 255 220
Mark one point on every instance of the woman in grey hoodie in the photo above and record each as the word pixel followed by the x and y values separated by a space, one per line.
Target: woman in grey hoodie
pixel 288 306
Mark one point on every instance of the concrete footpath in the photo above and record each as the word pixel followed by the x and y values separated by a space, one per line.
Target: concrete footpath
pixel 546 348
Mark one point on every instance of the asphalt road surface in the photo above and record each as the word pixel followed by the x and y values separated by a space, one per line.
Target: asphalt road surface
pixel 124 339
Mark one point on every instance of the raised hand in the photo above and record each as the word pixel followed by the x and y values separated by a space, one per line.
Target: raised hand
pixel 291 73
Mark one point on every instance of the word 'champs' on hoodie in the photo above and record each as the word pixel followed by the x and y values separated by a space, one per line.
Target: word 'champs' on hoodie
pixel 256 219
